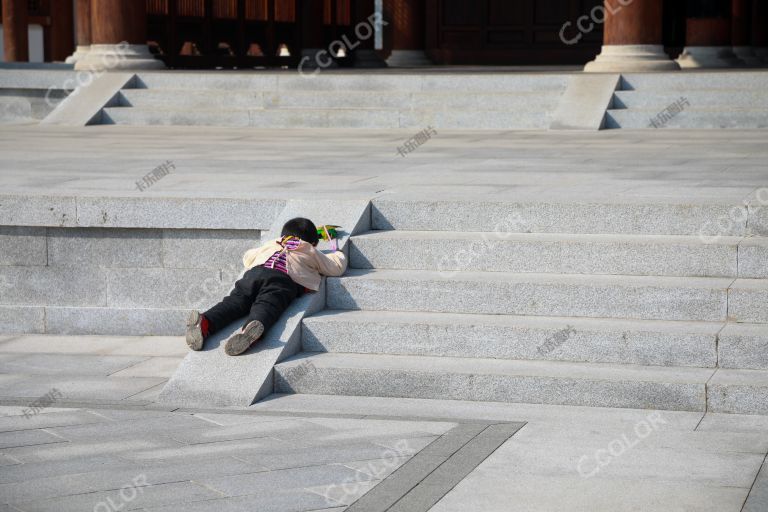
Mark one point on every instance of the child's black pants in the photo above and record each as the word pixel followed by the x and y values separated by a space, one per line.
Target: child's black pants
pixel 262 294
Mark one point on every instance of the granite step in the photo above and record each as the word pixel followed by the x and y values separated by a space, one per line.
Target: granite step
pixel 630 217
pixel 660 99
pixel 641 255
pixel 378 119
pixel 642 342
pixel 179 117
pixel 732 80
pixel 495 380
pixel 504 293
pixel 181 99
pixel 353 81
pixel 167 98
pixel 690 118
pixel 738 392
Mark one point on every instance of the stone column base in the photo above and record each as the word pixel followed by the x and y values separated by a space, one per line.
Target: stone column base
pixel 748 57
pixel 621 58
pixel 408 59
pixel 317 58
pixel 761 52
pixel 367 58
pixel 123 56
pixel 708 57
pixel 80 52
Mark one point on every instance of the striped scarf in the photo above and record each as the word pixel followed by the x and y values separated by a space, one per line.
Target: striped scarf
pixel 278 261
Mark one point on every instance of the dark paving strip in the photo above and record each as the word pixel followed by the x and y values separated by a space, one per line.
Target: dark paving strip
pixel 757 501
pixel 428 476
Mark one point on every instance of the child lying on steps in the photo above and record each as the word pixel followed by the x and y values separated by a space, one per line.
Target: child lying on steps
pixel 278 272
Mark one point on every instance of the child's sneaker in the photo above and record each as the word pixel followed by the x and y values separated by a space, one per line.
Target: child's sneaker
pixel 243 339
pixel 197 330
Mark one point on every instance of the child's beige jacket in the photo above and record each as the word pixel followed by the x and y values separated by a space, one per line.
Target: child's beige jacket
pixel 305 264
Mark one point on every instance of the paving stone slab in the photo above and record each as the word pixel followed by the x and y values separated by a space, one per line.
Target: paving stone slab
pixel 77 387
pixel 167 424
pixel 736 423
pixel 62 364
pixel 296 478
pixel 161 367
pixel 251 430
pixel 39 470
pixel 117 477
pixel 495 491
pixel 28 438
pixel 758 495
pixel 356 456
pixel 48 420
pixel 173 450
pixel 128 498
pixel 297 501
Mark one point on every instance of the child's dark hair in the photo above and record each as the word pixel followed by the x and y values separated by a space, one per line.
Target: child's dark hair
pixel 302 228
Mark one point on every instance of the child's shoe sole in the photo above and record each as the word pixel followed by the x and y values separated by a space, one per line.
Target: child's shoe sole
pixel 241 341
pixel 194 331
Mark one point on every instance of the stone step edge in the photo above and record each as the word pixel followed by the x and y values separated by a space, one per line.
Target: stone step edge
pixel 608 372
pixel 348 317
pixel 506 236
pixel 724 283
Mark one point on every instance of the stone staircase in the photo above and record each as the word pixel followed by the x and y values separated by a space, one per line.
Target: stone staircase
pixel 713 100
pixel 612 305
pixel 339 100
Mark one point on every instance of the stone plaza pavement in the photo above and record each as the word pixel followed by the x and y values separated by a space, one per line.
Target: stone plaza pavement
pixel 690 166
pixel 101 443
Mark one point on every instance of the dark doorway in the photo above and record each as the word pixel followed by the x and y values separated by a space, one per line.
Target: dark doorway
pixel 235 33
pixel 512 32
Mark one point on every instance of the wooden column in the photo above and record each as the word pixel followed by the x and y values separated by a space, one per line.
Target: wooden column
pixel 741 32
pixel 314 51
pixel 82 30
pixel 116 21
pixel 61 34
pixel 118 37
pixel 632 37
pixel 760 29
pixel 708 38
pixel 83 22
pixel 15 30
pixel 407 31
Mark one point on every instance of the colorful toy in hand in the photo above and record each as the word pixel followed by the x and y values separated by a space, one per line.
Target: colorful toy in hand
pixel 330 234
